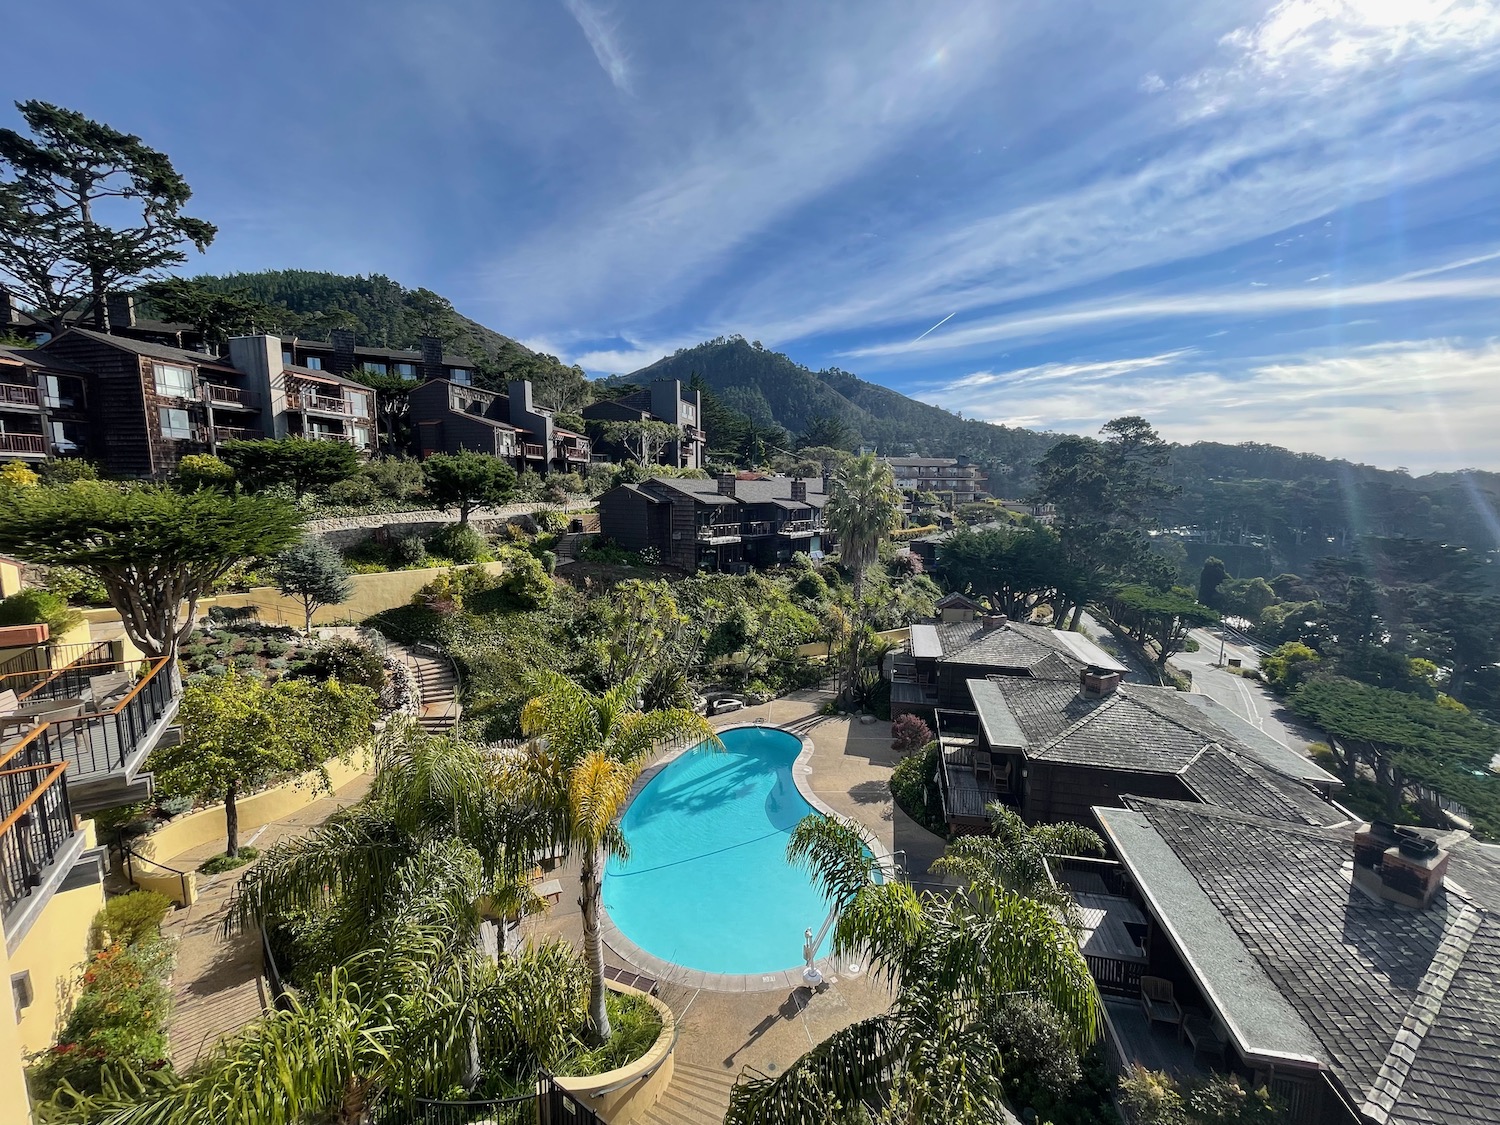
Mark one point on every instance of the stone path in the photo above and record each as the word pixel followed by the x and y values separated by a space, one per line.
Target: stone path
pixel 216 986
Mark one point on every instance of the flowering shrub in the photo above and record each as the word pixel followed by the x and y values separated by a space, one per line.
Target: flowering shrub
pixel 908 733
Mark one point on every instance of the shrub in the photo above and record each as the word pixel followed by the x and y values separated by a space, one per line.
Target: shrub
pixel 217 865
pixel 13 474
pixel 408 551
pixel 175 806
pixel 1153 1097
pixel 909 733
pixel 347 661
pixel 131 918
pixel 38 607
pixel 117 1022
pixel 459 543
pixel 396 477
pixel 355 492
pixel 552 521
pixel 526 580
pixel 911 786
pixel 66 470
pixel 204 470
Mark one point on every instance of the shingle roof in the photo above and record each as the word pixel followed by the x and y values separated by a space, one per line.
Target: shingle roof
pixel 34 358
pixel 152 351
pixel 1404 1005
pixel 1018 645
pixel 746 491
pixel 1148 730
pixel 956 600
pixel 313 374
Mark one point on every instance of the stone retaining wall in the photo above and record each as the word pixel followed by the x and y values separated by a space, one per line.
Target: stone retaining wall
pixel 346 531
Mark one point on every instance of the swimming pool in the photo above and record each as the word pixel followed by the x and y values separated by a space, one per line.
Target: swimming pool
pixel 707 884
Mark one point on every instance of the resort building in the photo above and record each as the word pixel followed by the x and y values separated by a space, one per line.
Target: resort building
pixel 1039 719
pixel 77 722
pixel 663 401
pixel 948 477
pixel 340 355
pixel 448 416
pixel 44 409
pixel 1350 968
pixel 730 523
pixel 123 321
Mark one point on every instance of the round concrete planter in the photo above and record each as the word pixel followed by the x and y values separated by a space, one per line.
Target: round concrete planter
pixel 623 1095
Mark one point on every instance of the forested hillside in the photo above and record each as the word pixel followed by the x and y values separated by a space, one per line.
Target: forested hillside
pixel 775 390
pixel 385 314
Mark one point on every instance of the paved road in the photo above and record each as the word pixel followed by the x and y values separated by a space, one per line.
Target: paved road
pixel 1247 698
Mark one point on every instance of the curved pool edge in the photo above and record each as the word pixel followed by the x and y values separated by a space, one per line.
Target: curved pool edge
pixel 735 982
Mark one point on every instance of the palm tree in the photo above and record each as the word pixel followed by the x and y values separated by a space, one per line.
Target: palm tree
pixel 953 963
pixel 863 506
pixel 585 751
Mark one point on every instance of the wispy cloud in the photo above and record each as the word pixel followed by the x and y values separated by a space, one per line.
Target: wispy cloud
pixel 1425 404
pixel 603 40
pixel 1135 308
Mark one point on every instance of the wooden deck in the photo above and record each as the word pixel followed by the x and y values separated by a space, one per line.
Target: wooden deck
pixel 1105 933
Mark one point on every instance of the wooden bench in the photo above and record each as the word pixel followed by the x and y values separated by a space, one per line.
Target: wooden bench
pixel 631 979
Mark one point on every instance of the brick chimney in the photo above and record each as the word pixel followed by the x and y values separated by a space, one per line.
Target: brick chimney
pixel 342 360
pixel 1398 864
pixel 728 484
pixel 1096 683
pixel 121 309
pixel 993 621
pixel 799 490
pixel 432 358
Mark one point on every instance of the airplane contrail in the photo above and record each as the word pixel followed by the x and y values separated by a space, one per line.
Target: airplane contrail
pixel 936 326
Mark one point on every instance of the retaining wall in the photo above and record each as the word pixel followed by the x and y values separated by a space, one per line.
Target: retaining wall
pixel 629 1104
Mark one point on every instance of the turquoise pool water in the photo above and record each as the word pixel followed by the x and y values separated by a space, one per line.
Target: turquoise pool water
pixel 707 884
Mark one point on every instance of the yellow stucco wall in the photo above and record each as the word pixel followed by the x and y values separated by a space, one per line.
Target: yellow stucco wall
pixel 10 577
pixel 206 826
pixel 373 593
pixel 12 1056
pixel 54 951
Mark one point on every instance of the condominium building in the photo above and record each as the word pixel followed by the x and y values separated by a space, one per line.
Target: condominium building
pixel 941 475
pixel 449 416
pixel 663 401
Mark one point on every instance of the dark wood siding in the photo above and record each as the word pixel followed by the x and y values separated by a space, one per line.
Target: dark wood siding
pixel 625 517
pixel 1058 792
pixel 120 435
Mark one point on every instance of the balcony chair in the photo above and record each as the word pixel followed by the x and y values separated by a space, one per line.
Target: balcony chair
pixel 107 690
pixel 984 766
pixel 1159 1003
pixel 16 716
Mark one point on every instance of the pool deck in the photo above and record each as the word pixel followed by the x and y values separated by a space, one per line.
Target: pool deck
pixel 726 1026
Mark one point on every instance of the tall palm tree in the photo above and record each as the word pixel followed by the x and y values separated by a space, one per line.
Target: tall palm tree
pixel 952 961
pixel 583 754
pixel 863 507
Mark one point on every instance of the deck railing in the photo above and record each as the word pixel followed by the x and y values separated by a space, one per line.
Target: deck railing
pixel 35 819
pixel 532 452
pixel 16 394
pixel 23 443
pixel 25 670
pixel 719 531
pixel 104 743
pixel 232 396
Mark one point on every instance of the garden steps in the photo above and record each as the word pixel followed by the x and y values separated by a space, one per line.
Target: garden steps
pixel 697 1095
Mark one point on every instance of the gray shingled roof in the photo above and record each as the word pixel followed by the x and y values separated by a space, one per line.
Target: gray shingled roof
pixel 1018 645
pixel 1404 1004
pixel 1140 729
pixel 151 351
pixel 34 358
pixel 1273 753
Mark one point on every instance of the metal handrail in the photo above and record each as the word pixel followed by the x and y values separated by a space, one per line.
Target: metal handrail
pixel 127 852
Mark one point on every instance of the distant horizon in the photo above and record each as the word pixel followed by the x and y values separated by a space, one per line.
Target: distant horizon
pixel 1264 220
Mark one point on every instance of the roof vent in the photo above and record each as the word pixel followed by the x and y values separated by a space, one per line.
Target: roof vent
pixel 1399 864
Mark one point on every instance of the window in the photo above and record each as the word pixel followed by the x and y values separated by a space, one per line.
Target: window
pixel 173 380
pixel 286 357
pixel 359 404
pixel 689 414
pixel 314 363
pixel 459 375
pixel 361 435
pixel 175 423
pixel 370 367
pixel 406 370
pixel 62 394
pixel 67 437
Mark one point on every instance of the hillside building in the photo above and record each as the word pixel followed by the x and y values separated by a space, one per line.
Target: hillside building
pixel 726 524
pixel 945 476
pixel 663 401
pixel 448 417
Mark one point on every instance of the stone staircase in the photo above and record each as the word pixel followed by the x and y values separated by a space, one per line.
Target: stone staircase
pixel 437 689
pixel 698 1095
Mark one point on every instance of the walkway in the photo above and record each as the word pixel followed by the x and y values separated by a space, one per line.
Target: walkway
pixel 216 985
pixel 722 1033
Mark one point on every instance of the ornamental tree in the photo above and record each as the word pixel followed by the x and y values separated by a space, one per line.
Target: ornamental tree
pixel 238 731
pixel 299 463
pixel 155 550
pixel 642 440
pixel 55 247
pixel 314 573
pixel 467 480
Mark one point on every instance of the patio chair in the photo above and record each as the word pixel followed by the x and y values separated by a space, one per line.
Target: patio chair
pixel 1159 1003
pixel 984 766
pixel 18 716
pixel 107 690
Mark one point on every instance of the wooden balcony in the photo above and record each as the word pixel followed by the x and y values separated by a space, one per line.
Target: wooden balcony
pixel 27 444
pixel 236 433
pixel 718 532
pixel 798 527
pixel 236 398
pixel 18 394
pixel 573 452
pixel 755 528
pixel 533 452
pixel 319 404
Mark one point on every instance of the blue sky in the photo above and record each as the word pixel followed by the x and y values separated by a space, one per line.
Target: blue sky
pixel 1272 221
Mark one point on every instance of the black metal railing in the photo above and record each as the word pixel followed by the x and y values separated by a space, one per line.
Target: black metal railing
pixel 719 531
pixel 549 1105
pixel 129 858
pixel 70 681
pixel 25 670
pixel 104 742
pixel 35 819
pixel 797 527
